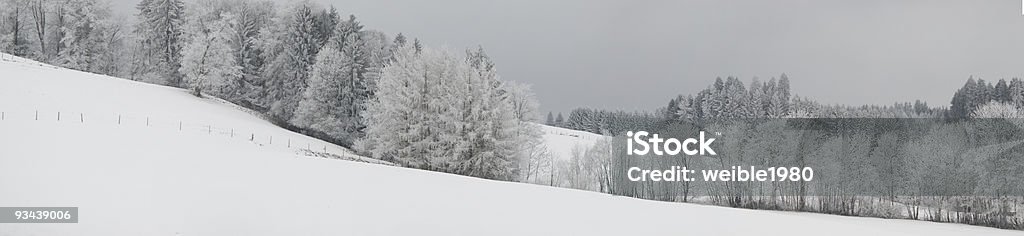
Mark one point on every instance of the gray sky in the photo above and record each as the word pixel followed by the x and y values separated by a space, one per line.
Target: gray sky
pixel 635 55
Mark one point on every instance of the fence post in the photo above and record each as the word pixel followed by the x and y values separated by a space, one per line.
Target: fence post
pixel 325 148
pixel 271 139
pixel 179 125
pixel 209 130
pixel 37 114
pixel 58 116
pixel 81 118
pixel 147 121
pixel 2 115
pixel 289 142
pixel 232 132
pixel 119 119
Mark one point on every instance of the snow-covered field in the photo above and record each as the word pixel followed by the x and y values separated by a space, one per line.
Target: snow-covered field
pixel 134 179
pixel 562 141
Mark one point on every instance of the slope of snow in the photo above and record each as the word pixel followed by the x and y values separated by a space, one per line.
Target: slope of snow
pixel 31 91
pixel 562 141
pixel 133 179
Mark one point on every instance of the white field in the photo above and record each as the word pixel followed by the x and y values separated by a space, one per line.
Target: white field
pixel 562 141
pixel 133 179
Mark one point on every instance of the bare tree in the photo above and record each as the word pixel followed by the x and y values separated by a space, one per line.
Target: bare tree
pixel 37 9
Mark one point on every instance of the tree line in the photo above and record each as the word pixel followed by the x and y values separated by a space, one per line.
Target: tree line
pixel 305 68
pixel 906 160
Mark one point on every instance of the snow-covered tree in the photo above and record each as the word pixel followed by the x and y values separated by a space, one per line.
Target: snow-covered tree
pixel 1016 95
pixel 436 111
pixel 340 84
pixel 84 34
pixel 161 25
pixel 995 109
pixel 13 34
pixel 253 17
pixel 377 47
pixel 322 108
pixel 293 49
pixel 403 119
pixel 114 59
pixel 489 130
pixel 396 44
pixel 39 11
pixel 208 63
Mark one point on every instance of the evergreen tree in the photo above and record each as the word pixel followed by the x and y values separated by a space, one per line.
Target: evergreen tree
pixel 1001 93
pixel 416 45
pixel 1016 95
pixel 438 112
pixel 550 119
pixel 338 86
pixel 965 100
pixel 783 95
pixel 397 121
pixel 253 17
pixel 672 111
pixel 288 72
pixel 326 24
pixel 755 99
pixel 161 28
pixel 489 144
pixel 415 120
pixel 398 43
pixel 82 40
pixel 986 93
pixel 323 107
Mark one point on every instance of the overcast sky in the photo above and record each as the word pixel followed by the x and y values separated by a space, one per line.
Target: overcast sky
pixel 635 55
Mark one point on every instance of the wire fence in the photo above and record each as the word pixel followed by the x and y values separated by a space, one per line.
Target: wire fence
pixel 300 144
pixel 575 134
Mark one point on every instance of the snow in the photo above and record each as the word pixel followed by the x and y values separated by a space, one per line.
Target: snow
pixel 562 141
pixel 133 179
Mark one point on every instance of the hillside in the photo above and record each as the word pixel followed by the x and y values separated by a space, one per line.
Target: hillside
pixel 220 174
pixel 562 141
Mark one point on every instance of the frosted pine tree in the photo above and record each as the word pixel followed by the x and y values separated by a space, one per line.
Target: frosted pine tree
pixel 414 120
pixel 161 28
pixel 377 47
pixel 397 126
pixel 436 111
pixel 488 146
pixel 339 86
pixel 296 52
pixel 83 35
pixel 784 93
pixel 322 108
pixel 208 63
pixel 357 86
pixel 253 17
pixel 1017 92
pixel 396 44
